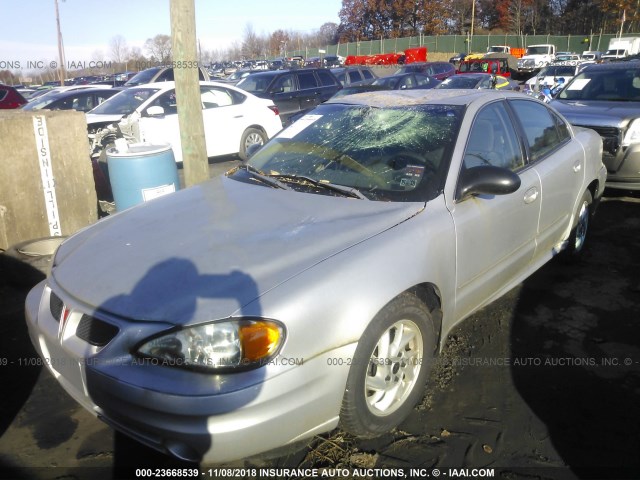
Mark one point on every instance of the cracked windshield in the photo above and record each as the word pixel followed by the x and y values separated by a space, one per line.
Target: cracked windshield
pixel 388 154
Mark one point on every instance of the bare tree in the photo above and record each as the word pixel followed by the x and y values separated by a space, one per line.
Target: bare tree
pixel 253 46
pixel 159 47
pixel 118 49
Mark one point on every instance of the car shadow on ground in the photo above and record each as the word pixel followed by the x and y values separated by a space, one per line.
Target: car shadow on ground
pixel 535 383
pixel 583 342
pixel 19 369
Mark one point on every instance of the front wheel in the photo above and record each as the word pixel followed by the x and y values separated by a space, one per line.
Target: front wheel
pixel 251 136
pixel 389 368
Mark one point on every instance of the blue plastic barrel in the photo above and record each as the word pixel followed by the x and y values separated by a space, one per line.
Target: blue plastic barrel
pixel 141 172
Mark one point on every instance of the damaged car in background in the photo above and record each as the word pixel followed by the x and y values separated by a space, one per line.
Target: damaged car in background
pixel 233 119
pixel 310 287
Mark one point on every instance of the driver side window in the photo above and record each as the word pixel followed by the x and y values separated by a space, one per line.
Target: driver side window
pixel 493 140
pixel 167 101
pixel 283 84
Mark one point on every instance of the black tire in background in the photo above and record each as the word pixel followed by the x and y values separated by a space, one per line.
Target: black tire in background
pixel 251 136
pixel 578 236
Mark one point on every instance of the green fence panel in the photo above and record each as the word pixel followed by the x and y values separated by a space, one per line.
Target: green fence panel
pixel 466 43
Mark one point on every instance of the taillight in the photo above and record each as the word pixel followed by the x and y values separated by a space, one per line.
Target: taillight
pixel 274 109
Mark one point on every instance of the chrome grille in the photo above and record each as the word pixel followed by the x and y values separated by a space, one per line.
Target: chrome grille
pixel 95 331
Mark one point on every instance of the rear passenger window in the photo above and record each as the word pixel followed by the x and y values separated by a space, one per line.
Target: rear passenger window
pixel 307 80
pixel 354 77
pixel 367 75
pixel 563 129
pixel 213 97
pixel 166 76
pixel 540 127
pixel 326 78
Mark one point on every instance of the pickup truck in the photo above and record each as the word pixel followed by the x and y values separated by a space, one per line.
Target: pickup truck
pixel 498 63
pixel 535 57
pixel 506 49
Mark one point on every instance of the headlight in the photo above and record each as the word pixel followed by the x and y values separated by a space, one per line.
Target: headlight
pixel 633 134
pixel 217 347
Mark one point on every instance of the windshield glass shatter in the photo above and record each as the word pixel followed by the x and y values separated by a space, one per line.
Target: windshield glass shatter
pixel 391 153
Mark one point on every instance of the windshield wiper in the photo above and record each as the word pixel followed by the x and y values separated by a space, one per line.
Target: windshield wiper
pixel 263 177
pixel 346 191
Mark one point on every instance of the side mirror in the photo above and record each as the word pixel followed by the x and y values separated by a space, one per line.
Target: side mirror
pixel 486 180
pixel 155 111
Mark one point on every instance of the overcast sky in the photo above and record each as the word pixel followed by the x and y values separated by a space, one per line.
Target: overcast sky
pixel 28 30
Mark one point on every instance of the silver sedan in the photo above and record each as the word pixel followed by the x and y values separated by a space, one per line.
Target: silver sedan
pixel 312 286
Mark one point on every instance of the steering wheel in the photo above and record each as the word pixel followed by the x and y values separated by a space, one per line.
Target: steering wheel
pixel 331 155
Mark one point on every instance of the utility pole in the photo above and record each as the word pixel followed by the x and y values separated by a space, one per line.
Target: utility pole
pixel 183 42
pixel 473 18
pixel 60 48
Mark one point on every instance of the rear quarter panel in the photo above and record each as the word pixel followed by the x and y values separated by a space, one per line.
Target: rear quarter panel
pixel 594 168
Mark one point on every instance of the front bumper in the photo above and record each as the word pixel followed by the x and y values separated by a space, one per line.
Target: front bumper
pixel 249 413
pixel 623 168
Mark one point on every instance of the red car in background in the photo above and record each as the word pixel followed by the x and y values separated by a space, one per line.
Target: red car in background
pixel 10 97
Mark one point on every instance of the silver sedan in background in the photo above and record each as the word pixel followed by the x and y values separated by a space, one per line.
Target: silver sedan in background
pixel 311 286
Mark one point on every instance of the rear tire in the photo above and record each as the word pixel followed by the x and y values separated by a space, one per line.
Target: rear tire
pixel 389 368
pixel 578 236
pixel 251 136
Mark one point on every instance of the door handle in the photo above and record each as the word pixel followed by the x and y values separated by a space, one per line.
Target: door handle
pixel 577 166
pixel 531 195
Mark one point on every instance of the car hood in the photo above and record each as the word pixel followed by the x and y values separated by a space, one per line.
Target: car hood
pixel 93 118
pixel 205 252
pixel 549 80
pixel 598 113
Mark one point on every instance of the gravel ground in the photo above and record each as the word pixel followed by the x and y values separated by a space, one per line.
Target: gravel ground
pixel 543 383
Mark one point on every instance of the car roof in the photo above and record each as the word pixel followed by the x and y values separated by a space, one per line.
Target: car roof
pixel 423 63
pixel 172 84
pixel 623 65
pixel 348 67
pixel 402 75
pixel 272 73
pixel 70 93
pixel 472 75
pixel 411 97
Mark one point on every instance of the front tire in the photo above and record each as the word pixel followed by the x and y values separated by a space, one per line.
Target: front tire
pixel 251 136
pixel 389 368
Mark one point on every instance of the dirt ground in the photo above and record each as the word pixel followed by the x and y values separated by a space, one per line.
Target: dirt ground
pixel 543 383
